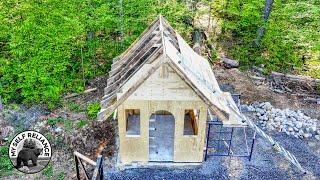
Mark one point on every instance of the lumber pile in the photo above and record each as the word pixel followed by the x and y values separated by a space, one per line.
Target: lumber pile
pixel 297 85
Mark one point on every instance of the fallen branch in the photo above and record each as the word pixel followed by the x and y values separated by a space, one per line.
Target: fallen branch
pixel 89 90
pixel 312 100
pixel 295 78
pixel 77 94
pixel 258 78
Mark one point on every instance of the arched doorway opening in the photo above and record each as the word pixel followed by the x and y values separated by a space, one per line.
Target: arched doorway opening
pixel 161 136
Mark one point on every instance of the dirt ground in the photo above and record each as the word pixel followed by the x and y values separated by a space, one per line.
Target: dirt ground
pixel 266 164
pixel 64 141
pixel 239 82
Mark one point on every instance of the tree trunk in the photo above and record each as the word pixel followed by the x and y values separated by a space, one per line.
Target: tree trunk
pixel 266 14
pixel 196 39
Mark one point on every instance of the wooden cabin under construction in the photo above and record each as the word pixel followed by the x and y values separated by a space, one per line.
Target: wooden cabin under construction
pixel 163 94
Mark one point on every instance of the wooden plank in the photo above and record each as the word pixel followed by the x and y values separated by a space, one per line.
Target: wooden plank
pixel 197 63
pixel 172 39
pixel 141 41
pixel 96 170
pixel 119 76
pixel 137 60
pixel 111 95
pixel 85 158
pixel 115 87
pixel 105 113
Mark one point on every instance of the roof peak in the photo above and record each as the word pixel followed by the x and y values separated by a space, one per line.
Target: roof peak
pixel 161 40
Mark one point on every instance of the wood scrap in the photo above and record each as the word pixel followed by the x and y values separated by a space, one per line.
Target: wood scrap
pixel 85 158
pixel 77 94
pixel 89 90
pixel 312 100
pixel 71 95
pixel 287 83
pixel 258 78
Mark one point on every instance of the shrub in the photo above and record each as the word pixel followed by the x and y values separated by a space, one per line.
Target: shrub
pixel 93 109
pixel 42 58
pixel 61 176
pixel 48 171
pixel 74 107
pixel 81 123
pixel 54 121
pixel 5 164
pixel 67 125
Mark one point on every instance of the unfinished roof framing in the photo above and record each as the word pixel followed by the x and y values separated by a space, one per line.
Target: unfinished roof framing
pixel 159 73
pixel 160 44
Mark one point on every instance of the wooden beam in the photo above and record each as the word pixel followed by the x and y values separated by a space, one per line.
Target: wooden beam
pixel 112 95
pixel 138 44
pixel 105 113
pixel 120 78
pixel 85 158
pixel 135 59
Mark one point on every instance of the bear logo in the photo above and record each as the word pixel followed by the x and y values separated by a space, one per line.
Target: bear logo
pixel 27 154
pixel 30 152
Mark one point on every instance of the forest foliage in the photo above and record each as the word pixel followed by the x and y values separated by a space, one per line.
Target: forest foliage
pixel 51 47
pixel 291 40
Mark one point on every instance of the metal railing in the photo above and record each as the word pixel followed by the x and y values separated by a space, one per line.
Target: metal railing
pixel 290 157
pixel 225 136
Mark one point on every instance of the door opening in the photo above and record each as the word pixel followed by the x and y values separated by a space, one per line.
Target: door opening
pixel 161 136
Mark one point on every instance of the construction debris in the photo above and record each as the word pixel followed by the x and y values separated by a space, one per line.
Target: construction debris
pixel 303 87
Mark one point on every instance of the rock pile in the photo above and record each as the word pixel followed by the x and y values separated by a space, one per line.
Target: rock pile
pixel 291 122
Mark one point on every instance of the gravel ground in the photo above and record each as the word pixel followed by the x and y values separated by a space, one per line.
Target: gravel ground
pixel 265 164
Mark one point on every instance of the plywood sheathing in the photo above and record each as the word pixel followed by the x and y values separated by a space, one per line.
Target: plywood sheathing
pixel 187 148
